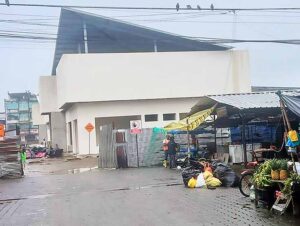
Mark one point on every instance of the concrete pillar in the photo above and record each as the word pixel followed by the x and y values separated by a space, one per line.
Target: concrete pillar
pixel 43 133
pixel 58 130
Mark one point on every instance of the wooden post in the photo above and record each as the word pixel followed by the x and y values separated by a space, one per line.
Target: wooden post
pixel 287 123
pixel 215 131
pixel 244 138
pixel 188 138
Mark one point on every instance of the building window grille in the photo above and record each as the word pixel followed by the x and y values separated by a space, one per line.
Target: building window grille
pixel 151 118
pixel 169 117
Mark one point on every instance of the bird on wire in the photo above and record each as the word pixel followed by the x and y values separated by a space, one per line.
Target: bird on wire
pixel 177 7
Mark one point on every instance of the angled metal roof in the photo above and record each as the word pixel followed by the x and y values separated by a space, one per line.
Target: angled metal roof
pixel 244 101
pixel 107 35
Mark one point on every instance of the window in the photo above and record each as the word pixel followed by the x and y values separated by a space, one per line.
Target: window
pixel 14 116
pixel 169 117
pixel 151 118
pixel 182 115
pixel 24 117
pixel 23 106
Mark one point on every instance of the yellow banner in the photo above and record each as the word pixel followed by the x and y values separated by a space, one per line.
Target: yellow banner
pixel 192 122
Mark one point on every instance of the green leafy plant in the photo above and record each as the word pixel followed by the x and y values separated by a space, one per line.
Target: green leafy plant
pixel 275 164
pixel 283 164
pixel 262 176
pixel 294 178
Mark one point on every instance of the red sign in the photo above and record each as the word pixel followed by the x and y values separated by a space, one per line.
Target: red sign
pixel 135 126
pixel 89 127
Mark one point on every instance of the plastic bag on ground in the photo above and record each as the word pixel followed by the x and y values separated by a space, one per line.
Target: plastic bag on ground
pixel 226 175
pixel 188 173
pixel 200 181
pixel 213 182
pixel 192 183
pixel 207 174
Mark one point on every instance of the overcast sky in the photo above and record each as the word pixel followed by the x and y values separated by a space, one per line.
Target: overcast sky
pixel 23 61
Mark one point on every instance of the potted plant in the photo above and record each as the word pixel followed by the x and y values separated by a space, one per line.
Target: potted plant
pixel 292 181
pixel 263 184
pixel 283 175
pixel 275 166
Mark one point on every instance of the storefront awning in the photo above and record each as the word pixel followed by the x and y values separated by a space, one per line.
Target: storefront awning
pixel 191 122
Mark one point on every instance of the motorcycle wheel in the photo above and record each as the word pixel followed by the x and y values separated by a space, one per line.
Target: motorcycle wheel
pixel 246 183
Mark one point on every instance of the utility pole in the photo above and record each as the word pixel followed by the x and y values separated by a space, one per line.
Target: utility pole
pixel 7 2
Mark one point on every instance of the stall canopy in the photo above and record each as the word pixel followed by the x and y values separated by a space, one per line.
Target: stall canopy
pixel 250 107
pixel 292 103
pixel 191 122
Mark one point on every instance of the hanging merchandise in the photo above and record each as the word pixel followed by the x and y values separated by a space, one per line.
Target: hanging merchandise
pixel 293 135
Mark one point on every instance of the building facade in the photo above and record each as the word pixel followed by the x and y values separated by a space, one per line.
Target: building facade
pixel 18 110
pixel 111 72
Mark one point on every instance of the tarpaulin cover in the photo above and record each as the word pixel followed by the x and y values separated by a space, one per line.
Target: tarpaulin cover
pixel 292 103
pixel 190 123
pixel 256 134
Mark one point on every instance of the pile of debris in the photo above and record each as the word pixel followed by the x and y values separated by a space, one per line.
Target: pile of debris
pixel 209 174
pixel 41 152
pixel 10 163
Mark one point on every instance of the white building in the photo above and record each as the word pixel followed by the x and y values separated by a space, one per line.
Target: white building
pixel 116 86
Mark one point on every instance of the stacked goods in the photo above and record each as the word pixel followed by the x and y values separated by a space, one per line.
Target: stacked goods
pixel 283 174
pixel 274 169
pixel 10 164
pixel 275 166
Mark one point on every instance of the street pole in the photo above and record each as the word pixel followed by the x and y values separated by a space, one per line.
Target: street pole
pixel 215 131
pixel 137 151
pixel 89 143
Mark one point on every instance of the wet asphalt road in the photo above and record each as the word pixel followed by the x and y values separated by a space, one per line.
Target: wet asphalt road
pixel 148 196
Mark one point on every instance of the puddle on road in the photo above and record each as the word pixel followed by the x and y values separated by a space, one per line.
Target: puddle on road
pixel 81 170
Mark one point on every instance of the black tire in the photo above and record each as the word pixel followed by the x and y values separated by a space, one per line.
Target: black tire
pixel 245 183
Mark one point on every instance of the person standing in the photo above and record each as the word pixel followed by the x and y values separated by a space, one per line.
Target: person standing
pixel 165 149
pixel 23 156
pixel 172 149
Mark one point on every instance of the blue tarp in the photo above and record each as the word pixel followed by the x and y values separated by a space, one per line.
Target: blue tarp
pixel 255 134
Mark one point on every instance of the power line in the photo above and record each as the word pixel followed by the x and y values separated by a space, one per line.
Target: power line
pixel 201 39
pixel 146 8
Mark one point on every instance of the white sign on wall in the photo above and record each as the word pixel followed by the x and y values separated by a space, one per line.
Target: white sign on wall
pixel 135 126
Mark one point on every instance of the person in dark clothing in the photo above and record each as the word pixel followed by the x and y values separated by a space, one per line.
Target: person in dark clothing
pixel 172 148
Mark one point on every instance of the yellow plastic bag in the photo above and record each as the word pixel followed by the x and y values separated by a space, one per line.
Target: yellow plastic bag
pixel 213 182
pixel 292 134
pixel 207 175
pixel 192 183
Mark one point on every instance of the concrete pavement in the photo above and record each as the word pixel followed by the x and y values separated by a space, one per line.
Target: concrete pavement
pixel 146 196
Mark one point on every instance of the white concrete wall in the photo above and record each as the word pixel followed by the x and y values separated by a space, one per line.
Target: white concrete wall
pixel 87 112
pixel 89 86
pixel 133 76
pixel 37 118
pixel 48 94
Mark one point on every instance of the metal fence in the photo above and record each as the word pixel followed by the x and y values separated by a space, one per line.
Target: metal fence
pixel 130 150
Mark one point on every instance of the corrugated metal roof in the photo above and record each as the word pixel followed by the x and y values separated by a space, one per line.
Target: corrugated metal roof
pixel 243 100
pixel 108 35
pixel 253 100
